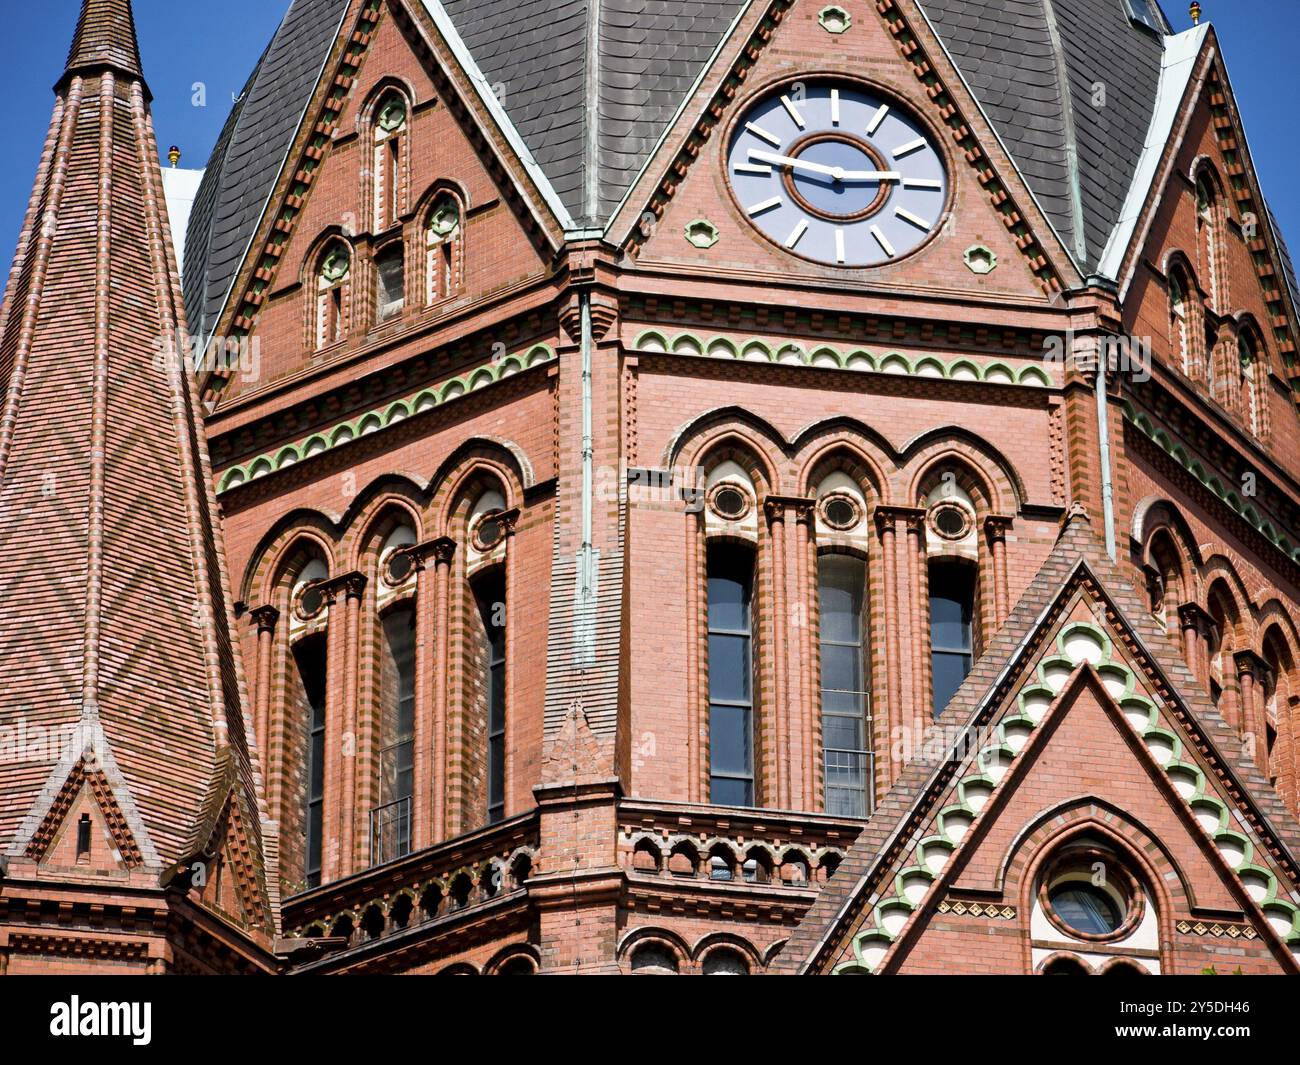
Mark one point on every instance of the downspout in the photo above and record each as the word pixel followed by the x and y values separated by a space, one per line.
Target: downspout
pixel 1103 436
pixel 586 556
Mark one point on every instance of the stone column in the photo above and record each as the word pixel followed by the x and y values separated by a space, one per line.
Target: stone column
pixel 1251 670
pixel 886 528
pixel 776 733
pixel 1194 623
pixel 995 531
pixel 266 618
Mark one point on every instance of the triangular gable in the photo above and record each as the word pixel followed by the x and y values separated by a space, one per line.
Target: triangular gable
pixel 86 783
pixel 231 885
pixel 1138 676
pixel 457 79
pixel 1194 71
pixel 935 88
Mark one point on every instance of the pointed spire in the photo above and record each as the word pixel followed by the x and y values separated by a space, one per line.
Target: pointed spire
pixel 105 37
pixel 115 616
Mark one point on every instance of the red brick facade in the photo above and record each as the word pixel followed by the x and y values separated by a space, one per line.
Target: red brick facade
pixel 482 438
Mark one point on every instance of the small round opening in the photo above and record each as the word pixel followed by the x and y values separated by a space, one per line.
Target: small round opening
pixel 489 533
pixel 840 512
pixel 950 522
pixel 730 502
pixel 311 601
pixel 1086 909
pixel 399 567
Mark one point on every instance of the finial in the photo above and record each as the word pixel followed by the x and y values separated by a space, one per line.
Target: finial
pixel 1195 12
pixel 173 156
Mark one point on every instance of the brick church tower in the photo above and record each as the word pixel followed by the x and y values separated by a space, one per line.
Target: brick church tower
pixel 739 487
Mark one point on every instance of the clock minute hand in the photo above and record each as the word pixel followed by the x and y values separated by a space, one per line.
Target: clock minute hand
pixel 870 175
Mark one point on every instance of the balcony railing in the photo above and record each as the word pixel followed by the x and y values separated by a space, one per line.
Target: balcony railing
pixel 390 831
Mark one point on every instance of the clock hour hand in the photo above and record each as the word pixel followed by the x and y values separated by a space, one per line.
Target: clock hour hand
pixel 837 173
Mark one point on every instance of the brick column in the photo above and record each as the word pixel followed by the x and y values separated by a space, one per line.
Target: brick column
pixel 995 530
pixel 341 814
pixel 1194 621
pixel 1254 719
pixel 916 646
pixel 266 618
pixel 1288 744
pixel 886 528
pixel 429 682
pixel 509 521
pixel 776 732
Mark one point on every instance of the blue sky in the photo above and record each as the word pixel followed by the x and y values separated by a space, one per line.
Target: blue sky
pixel 218 43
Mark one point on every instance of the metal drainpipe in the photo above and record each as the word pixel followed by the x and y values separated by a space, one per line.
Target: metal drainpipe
pixel 586 577
pixel 1103 436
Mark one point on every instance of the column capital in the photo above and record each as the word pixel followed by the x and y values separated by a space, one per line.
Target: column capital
pixel 350 585
pixel 996 526
pixel 886 516
pixel 1250 664
pixel 266 617
pixel 776 506
pixel 1194 616
pixel 443 549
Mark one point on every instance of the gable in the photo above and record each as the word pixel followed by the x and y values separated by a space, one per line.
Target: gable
pixel 688 211
pixel 1082 749
pixel 106 845
pixel 453 141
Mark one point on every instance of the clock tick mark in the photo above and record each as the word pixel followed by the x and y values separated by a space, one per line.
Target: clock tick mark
pixel 922 183
pixel 909 147
pixel 883 241
pixel 759 131
pixel 835 107
pixel 793 112
pixel 796 234
pixel 907 216
pixel 766 205
pixel 839 245
pixel 754 168
pixel 878 118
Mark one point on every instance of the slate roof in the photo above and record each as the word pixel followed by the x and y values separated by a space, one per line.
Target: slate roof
pixel 1033 65
pixel 250 152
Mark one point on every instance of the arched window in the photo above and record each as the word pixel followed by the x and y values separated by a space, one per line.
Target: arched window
pixel 1064 966
pixel 1207 232
pixel 442 248
pixel 333 276
pixel 1178 314
pixel 310 661
pixel 390 126
pixel 952 639
pixel 490 595
pixel 390 281
pixel 846 735
pixel 654 959
pixel 725 962
pixel 390 822
pixel 731 675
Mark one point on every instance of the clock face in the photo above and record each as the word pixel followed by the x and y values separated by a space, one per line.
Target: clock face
pixel 831 171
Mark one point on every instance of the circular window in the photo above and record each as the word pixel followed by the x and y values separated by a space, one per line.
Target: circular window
pixel 490 531
pixel 729 501
pixel 1086 909
pixel 310 601
pixel 399 567
pixel 1089 895
pixel 951 521
pixel 841 512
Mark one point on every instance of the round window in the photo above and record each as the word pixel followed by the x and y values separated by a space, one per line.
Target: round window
pixel 490 531
pixel 841 512
pixel 951 521
pixel 311 601
pixel 399 567
pixel 1086 909
pixel 730 502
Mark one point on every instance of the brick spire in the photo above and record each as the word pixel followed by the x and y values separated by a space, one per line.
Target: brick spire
pixel 105 37
pixel 116 637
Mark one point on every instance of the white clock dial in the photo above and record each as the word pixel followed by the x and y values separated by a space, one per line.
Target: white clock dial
pixel 833 172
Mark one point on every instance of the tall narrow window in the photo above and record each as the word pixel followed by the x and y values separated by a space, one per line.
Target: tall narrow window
pixel 1178 322
pixel 731 679
pixel 1207 235
pixel 331 292
pixel 952 610
pixel 390 822
pixel 491 593
pixel 390 275
pixel 443 248
pixel 1249 391
pixel 845 720
pixel 390 142
pixel 309 656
